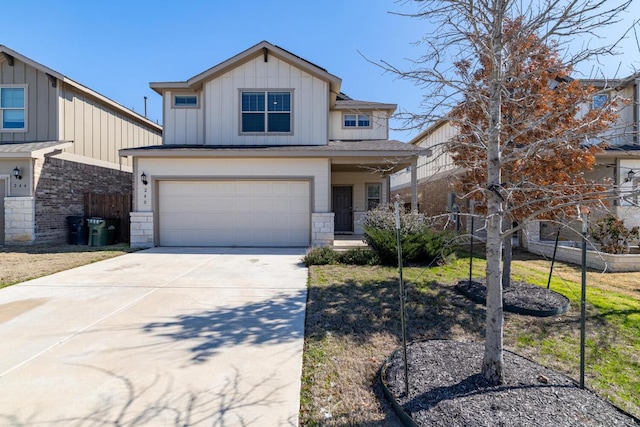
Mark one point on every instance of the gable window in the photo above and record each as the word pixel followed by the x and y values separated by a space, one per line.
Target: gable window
pixel 266 112
pixel 13 115
pixel 599 101
pixel 374 194
pixel 185 101
pixel 356 121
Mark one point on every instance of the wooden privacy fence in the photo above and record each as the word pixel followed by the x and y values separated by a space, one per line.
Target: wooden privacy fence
pixel 110 206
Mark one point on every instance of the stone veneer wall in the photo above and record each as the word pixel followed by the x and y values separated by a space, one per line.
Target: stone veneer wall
pixel 322 229
pixel 19 219
pixel 142 229
pixel 59 192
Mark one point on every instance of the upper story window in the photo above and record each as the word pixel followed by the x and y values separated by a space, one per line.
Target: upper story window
pixel 266 112
pixel 599 101
pixel 356 121
pixel 13 116
pixel 185 101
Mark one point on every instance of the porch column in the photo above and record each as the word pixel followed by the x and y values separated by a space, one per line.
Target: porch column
pixel 414 184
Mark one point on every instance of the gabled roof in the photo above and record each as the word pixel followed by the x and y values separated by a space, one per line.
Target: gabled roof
pixel 9 55
pixel 263 48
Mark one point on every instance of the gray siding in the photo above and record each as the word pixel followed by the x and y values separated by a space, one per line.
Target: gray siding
pixel 97 130
pixel 41 102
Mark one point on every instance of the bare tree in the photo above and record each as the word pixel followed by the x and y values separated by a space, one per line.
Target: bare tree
pixel 468 37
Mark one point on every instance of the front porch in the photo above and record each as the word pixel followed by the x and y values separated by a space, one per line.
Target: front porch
pixel 357 186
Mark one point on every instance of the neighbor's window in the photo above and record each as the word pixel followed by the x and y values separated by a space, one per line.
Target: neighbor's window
pixel 185 101
pixel 599 101
pixel 356 121
pixel 266 112
pixel 374 194
pixel 12 108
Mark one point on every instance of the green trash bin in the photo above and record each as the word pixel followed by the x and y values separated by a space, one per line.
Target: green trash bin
pixel 102 232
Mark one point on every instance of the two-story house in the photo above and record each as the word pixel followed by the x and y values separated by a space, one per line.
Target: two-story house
pixel 263 149
pixel 58 141
pixel 618 164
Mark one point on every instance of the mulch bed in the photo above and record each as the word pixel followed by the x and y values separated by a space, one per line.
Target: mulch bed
pixel 447 389
pixel 519 297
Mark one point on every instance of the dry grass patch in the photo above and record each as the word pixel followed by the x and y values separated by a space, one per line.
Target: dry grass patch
pixel 22 263
pixel 353 325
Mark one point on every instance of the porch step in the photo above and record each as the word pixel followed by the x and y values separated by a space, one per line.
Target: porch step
pixel 346 242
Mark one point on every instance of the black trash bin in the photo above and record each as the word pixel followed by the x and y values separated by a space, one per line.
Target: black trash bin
pixel 76 230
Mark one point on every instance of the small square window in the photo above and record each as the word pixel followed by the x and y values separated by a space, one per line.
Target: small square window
pixel 185 101
pixel 599 101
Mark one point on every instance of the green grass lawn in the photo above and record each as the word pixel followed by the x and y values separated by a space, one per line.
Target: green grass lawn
pixel 352 326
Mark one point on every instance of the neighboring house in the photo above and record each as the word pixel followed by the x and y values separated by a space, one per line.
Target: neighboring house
pixel 262 150
pixel 434 172
pixel 58 141
pixel 619 163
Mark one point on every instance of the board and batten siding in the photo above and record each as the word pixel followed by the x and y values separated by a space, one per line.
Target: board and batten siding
pixel 183 125
pixel 41 102
pixel 221 103
pixel 97 131
pixel 379 126
pixel 434 166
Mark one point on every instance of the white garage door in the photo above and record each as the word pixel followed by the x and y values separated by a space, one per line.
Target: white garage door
pixel 234 213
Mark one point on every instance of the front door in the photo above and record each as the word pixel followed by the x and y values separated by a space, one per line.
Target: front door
pixel 343 209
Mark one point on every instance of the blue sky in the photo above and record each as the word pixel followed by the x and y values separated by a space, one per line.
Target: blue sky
pixel 117 47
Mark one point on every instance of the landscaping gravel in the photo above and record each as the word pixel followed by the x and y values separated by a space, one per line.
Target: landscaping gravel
pixel 447 389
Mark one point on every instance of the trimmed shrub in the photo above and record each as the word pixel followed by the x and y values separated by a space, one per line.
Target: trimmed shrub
pixel 320 256
pixel 613 236
pixel 358 256
pixel 420 244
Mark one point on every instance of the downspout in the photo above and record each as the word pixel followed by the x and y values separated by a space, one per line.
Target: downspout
pixel 636 112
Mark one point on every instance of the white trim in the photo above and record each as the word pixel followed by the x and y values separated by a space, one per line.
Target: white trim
pixel 266 111
pixel 25 129
pixel 175 95
pixel 357 126
pixel 366 194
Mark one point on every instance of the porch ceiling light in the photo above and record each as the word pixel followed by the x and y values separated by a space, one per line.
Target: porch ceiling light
pixel 630 175
pixel 16 173
pixel 143 178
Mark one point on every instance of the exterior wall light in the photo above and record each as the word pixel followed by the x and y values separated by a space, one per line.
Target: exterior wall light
pixel 16 173
pixel 143 178
pixel 630 175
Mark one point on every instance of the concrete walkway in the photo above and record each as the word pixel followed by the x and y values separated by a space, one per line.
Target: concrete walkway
pixel 162 337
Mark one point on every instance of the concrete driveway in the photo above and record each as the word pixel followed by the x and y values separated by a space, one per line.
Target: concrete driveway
pixel 161 337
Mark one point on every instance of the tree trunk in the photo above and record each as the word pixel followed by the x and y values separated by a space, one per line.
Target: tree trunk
pixel 492 364
pixel 506 262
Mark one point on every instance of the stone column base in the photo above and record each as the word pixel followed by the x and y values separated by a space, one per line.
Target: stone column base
pixel 19 220
pixel 142 230
pixel 322 229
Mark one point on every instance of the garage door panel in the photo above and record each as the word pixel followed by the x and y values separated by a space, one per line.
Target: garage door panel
pixel 234 213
